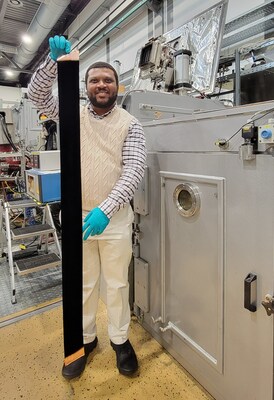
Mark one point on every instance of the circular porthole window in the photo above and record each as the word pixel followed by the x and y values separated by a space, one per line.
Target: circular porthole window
pixel 187 200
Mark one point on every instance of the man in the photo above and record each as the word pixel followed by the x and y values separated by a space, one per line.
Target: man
pixel 112 163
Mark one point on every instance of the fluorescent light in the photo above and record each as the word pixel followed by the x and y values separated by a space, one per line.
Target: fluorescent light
pixel 9 72
pixel 26 38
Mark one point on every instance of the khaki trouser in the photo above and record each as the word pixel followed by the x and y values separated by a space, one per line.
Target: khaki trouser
pixel 108 254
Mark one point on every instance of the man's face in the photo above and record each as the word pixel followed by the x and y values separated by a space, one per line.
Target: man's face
pixel 101 89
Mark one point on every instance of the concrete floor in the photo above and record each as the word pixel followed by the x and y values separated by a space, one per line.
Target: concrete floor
pixel 32 356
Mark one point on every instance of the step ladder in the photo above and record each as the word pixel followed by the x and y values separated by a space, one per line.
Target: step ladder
pixel 27 263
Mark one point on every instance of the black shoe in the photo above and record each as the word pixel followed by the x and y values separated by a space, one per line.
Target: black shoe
pixel 126 358
pixel 76 368
pixel 89 347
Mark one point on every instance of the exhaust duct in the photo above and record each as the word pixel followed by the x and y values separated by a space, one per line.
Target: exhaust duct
pixel 45 18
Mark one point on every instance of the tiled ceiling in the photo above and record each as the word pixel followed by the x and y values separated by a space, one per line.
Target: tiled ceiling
pixel 15 18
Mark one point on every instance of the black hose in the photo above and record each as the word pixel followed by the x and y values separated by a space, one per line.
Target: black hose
pixel 6 132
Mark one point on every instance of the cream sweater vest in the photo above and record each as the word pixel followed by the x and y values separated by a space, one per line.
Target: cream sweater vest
pixel 101 154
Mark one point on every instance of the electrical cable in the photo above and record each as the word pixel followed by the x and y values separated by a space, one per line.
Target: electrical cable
pixel 6 132
pixel 251 120
pixel 221 83
pixel 8 186
pixel 34 240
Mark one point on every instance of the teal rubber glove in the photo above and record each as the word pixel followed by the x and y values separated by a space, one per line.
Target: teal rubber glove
pixel 95 223
pixel 59 46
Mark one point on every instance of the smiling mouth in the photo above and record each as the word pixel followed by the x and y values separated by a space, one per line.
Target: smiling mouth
pixel 102 94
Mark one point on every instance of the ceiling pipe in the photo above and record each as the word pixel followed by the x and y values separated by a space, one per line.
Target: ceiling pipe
pixel 44 20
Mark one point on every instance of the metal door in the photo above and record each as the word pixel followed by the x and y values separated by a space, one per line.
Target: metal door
pixel 192 226
pixel 198 265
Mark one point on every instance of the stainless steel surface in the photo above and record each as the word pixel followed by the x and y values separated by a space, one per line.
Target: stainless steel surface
pixel 184 241
pixel 246 152
pixel 141 198
pixel 157 108
pixel 198 265
pixel 141 281
pixel 154 106
pixel 201 131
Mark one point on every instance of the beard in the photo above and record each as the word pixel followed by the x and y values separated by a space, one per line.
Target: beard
pixel 106 104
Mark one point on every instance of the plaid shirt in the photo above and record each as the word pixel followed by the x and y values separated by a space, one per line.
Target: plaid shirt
pixel 133 152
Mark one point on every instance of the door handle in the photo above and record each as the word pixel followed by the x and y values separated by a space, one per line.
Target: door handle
pixel 250 292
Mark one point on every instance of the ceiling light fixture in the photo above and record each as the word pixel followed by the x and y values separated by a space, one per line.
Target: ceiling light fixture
pixel 26 38
pixel 15 3
pixel 9 72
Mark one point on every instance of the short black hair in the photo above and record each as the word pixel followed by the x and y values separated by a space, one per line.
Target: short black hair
pixel 101 64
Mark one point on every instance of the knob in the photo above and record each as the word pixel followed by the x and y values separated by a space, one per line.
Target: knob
pixel 266 134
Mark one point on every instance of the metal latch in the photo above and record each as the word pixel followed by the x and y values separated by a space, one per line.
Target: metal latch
pixel 268 304
pixel 135 239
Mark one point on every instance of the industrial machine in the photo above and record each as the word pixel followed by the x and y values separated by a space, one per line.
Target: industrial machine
pixel 204 234
pixel 29 180
pixel 24 132
pixel 43 181
pixel 185 59
pixel 204 246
